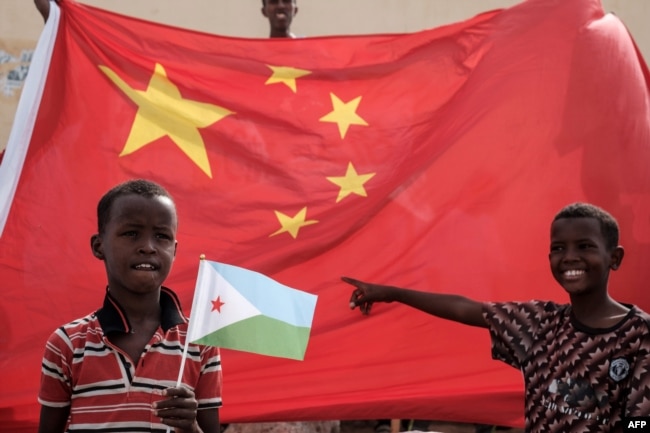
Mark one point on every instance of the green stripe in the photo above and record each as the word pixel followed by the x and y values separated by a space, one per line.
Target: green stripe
pixel 261 334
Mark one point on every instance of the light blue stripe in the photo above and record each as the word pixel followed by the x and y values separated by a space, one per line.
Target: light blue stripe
pixel 273 299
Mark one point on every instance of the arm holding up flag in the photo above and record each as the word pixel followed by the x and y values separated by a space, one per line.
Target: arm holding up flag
pixel 43 7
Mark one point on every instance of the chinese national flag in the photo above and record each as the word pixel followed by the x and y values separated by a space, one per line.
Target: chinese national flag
pixel 434 160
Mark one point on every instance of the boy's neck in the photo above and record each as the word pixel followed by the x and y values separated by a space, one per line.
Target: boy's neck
pixel 139 308
pixel 598 313
pixel 285 33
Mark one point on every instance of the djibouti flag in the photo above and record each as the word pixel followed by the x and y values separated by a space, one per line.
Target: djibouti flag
pixel 240 309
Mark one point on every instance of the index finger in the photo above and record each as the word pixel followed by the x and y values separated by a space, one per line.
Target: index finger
pixel 179 391
pixel 351 281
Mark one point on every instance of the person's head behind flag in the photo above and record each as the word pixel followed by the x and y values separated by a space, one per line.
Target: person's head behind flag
pixel 280 14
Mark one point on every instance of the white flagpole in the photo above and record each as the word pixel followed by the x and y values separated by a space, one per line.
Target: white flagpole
pixel 182 369
pixel 187 343
pixel 184 357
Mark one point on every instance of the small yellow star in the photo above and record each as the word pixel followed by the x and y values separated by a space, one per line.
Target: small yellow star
pixel 162 111
pixel 351 183
pixel 293 224
pixel 286 75
pixel 344 114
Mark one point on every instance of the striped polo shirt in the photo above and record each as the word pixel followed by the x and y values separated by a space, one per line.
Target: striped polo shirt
pixel 104 389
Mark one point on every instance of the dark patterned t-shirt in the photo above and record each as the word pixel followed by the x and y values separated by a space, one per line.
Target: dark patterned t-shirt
pixel 577 379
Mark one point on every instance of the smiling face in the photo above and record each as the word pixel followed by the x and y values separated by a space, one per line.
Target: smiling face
pixel 580 258
pixel 280 14
pixel 137 244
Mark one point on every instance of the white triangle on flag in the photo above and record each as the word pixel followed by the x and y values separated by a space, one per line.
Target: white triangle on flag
pixel 210 287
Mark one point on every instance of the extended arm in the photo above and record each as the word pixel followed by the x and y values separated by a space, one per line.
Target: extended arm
pixel 450 307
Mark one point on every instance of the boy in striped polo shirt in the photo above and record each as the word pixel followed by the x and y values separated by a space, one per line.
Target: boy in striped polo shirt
pixel 116 369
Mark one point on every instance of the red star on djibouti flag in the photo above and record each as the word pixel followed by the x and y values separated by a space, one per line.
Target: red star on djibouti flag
pixel 217 303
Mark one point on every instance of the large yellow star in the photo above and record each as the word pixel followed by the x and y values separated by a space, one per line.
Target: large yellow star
pixel 286 75
pixel 344 114
pixel 162 111
pixel 293 224
pixel 351 183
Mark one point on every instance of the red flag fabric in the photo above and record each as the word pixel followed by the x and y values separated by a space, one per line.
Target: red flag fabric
pixel 434 160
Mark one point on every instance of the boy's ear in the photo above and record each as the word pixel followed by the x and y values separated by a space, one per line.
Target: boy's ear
pixel 617 257
pixel 96 246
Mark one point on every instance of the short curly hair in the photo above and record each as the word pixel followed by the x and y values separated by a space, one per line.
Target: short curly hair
pixel 141 187
pixel 608 224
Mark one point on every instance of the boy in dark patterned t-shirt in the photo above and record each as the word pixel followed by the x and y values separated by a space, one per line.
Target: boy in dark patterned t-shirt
pixel 579 377
pixel 586 364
